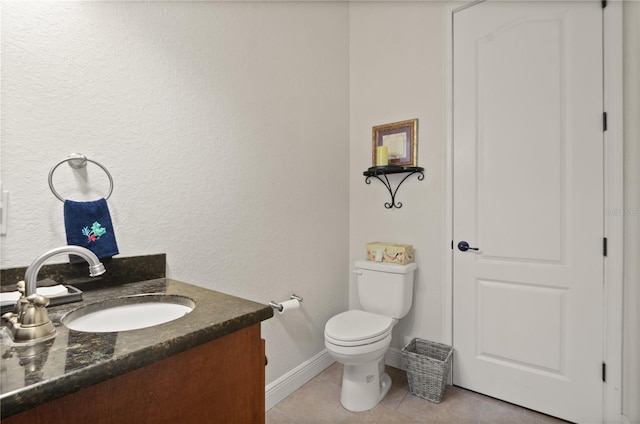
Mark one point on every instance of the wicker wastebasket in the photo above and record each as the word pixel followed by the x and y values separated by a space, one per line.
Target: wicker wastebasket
pixel 428 365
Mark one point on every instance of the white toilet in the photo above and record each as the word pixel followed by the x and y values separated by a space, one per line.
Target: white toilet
pixel 359 338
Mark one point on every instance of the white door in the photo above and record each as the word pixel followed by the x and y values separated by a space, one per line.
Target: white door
pixel 528 194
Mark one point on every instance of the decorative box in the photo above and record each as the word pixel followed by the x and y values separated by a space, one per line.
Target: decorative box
pixel 400 254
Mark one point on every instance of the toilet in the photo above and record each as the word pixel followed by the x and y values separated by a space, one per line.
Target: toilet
pixel 360 338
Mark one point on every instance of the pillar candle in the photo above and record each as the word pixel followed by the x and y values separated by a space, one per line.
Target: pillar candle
pixel 382 156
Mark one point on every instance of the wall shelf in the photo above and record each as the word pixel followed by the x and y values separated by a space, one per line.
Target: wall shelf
pixel 381 172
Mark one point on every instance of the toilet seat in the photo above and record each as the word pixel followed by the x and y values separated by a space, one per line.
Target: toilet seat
pixel 357 328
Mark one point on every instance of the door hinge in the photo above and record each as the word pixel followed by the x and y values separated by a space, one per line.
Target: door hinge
pixel 604 246
pixel 604 121
pixel 604 372
pixel 604 3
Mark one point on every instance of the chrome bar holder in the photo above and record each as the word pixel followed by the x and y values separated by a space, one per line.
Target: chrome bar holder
pixel 278 307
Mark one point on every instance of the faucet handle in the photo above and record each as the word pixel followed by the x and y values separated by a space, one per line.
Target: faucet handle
pixel 20 284
pixel 36 312
pixel 39 300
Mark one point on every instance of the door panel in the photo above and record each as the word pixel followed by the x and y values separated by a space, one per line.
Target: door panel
pixel 514 331
pixel 529 138
pixel 528 192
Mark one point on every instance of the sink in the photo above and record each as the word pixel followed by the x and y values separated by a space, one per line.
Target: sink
pixel 128 313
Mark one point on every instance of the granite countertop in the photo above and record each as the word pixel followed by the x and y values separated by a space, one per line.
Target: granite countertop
pixel 32 374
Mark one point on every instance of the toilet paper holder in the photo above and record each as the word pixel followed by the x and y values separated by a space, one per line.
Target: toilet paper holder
pixel 279 307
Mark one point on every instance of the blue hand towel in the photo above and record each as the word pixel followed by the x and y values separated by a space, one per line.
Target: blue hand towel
pixel 88 224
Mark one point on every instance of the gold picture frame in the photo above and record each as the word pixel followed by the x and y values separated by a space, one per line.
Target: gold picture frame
pixel 401 139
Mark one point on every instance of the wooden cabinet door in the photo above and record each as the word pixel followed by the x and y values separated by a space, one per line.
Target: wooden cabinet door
pixel 219 382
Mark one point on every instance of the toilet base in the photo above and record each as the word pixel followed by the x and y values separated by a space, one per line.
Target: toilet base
pixel 364 386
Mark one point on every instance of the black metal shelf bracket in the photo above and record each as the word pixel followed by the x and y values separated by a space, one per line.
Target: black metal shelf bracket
pixel 381 172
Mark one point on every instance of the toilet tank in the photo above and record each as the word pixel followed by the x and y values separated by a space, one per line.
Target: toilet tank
pixel 384 288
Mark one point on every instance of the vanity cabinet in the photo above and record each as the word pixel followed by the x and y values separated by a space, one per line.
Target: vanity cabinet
pixel 221 381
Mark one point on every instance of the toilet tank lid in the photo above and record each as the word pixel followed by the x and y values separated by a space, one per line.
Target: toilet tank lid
pixel 386 267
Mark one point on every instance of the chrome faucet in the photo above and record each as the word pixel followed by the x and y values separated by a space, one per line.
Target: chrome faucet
pixel 29 320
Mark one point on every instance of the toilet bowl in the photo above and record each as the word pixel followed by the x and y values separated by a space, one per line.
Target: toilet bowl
pixel 359 339
pixel 364 382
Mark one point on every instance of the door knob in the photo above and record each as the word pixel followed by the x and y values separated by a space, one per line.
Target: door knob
pixel 464 246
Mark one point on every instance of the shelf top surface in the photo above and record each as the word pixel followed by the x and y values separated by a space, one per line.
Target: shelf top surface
pixel 378 170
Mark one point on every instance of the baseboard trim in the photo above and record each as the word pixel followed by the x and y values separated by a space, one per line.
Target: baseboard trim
pixel 296 378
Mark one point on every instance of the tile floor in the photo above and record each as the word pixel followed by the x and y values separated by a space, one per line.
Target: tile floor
pixel 318 401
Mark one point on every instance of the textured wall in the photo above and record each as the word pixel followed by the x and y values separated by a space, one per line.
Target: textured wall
pixel 397 73
pixel 225 126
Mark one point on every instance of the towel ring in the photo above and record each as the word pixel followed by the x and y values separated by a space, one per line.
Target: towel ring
pixel 77 161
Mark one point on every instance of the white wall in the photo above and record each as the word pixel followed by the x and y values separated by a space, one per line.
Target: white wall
pixel 397 73
pixel 225 126
pixel 631 215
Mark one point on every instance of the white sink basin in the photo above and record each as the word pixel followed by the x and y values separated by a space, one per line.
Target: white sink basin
pixel 128 313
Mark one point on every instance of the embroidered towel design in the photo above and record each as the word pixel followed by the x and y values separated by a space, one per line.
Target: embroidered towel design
pixel 88 224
